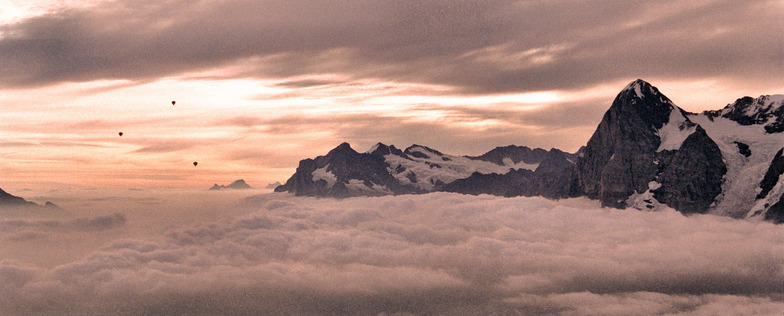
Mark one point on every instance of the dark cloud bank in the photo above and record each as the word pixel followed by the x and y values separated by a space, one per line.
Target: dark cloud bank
pixel 473 46
pixel 416 255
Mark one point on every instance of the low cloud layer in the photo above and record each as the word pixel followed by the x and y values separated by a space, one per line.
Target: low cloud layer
pixel 424 254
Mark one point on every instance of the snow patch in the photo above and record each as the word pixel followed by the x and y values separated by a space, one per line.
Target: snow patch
pixel 741 182
pixel 359 185
pixel 372 149
pixel 443 168
pixel 634 85
pixel 776 98
pixel 677 129
pixel 519 165
pixel 323 174
pixel 645 200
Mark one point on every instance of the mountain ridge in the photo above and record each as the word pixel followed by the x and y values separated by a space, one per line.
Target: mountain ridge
pixel 646 153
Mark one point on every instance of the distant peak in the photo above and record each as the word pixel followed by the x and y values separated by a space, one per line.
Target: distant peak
pixel 638 82
pixel 343 147
pixel 378 146
pixel 417 147
pixel 641 88
pixel 381 149
pixel 644 101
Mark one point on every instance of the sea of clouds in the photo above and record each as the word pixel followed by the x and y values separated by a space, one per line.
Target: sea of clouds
pixel 437 253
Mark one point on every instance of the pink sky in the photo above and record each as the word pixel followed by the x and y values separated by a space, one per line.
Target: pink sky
pixel 260 85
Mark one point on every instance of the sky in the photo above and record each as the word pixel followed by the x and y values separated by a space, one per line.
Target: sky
pixel 175 253
pixel 260 85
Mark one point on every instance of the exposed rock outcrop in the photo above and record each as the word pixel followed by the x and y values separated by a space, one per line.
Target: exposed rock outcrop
pixel 691 180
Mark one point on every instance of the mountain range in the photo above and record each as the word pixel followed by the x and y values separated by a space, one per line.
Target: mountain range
pixel 646 153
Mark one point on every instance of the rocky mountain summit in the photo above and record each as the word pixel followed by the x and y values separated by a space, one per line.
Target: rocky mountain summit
pixel 646 153
pixel 646 145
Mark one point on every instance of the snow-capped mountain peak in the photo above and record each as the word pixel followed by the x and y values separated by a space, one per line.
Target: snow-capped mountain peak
pixel 641 89
pixel 675 131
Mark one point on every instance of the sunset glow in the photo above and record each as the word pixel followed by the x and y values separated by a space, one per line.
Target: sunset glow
pixel 141 142
pixel 252 114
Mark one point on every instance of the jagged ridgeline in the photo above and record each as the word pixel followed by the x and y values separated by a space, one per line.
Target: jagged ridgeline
pixel 646 153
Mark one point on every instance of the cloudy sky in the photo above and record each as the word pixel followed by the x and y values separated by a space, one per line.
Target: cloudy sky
pixel 260 85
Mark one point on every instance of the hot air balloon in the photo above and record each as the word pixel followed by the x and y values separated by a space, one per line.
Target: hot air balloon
pixel 120 134
pixel 195 163
pixel 173 102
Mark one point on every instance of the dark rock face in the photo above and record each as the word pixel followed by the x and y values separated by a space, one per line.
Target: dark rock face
pixel 514 183
pixel 776 212
pixel 743 149
pixel 619 157
pixel 550 179
pixel 772 175
pixel 554 175
pixel 623 157
pixel 692 179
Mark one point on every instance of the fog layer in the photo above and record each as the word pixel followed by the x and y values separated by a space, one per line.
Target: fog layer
pixel 423 254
